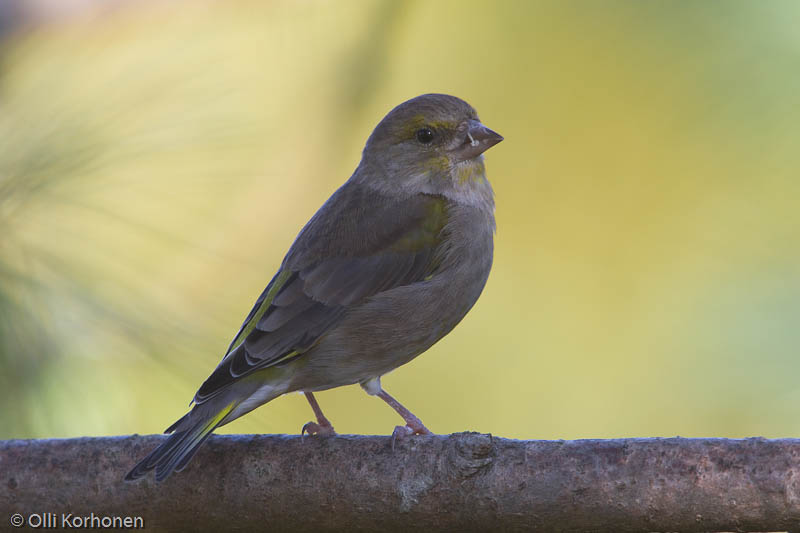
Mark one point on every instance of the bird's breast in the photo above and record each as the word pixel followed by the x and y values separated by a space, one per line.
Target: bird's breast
pixel 391 328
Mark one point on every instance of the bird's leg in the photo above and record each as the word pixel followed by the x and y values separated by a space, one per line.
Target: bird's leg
pixel 414 425
pixel 322 426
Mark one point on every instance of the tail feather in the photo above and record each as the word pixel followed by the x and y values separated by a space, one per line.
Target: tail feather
pixel 177 423
pixel 180 465
pixel 186 448
pixel 176 452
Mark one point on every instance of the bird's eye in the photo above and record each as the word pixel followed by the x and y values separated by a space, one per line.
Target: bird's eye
pixel 425 135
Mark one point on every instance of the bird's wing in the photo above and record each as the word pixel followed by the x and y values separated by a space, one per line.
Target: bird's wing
pixel 357 245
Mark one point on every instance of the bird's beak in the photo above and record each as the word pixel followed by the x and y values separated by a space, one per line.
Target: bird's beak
pixel 477 139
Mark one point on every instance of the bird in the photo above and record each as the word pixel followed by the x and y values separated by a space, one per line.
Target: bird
pixel 388 266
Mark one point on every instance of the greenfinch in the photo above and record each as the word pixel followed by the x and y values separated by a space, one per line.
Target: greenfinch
pixel 390 263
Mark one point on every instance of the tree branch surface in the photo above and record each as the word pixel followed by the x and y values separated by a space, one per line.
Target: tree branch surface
pixel 460 482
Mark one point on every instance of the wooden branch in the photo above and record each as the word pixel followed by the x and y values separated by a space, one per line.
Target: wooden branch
pixel 460 482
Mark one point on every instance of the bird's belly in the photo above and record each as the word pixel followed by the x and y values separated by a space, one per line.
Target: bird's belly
pixel 391 328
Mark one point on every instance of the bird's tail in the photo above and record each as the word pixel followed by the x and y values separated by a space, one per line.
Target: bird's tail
pixel 188 434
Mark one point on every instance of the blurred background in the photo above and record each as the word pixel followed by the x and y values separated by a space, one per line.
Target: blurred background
pixel 158 158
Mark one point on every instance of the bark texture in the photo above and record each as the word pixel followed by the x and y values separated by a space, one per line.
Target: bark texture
pixel 460 482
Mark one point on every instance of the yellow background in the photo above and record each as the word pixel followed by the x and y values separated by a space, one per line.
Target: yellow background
pixel 156 162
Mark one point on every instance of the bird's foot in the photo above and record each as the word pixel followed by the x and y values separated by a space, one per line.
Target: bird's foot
pixel 322 427
pixel 413 427
pixel 318 430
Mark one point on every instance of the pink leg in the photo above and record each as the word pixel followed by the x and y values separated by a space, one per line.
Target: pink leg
pixel 414 425
pixel 322 426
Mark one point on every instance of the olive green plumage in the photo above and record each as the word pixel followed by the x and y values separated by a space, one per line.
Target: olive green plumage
pixel 388 265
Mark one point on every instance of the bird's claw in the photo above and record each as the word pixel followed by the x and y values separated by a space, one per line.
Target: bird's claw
pixel 402 432
pixel 317 430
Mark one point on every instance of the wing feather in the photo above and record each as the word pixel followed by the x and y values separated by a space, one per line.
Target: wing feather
pixel 357 245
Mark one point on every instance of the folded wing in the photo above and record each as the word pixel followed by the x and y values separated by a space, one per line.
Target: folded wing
pixel 357 245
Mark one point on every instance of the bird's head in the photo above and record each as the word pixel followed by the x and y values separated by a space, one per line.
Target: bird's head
pixel 431 144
